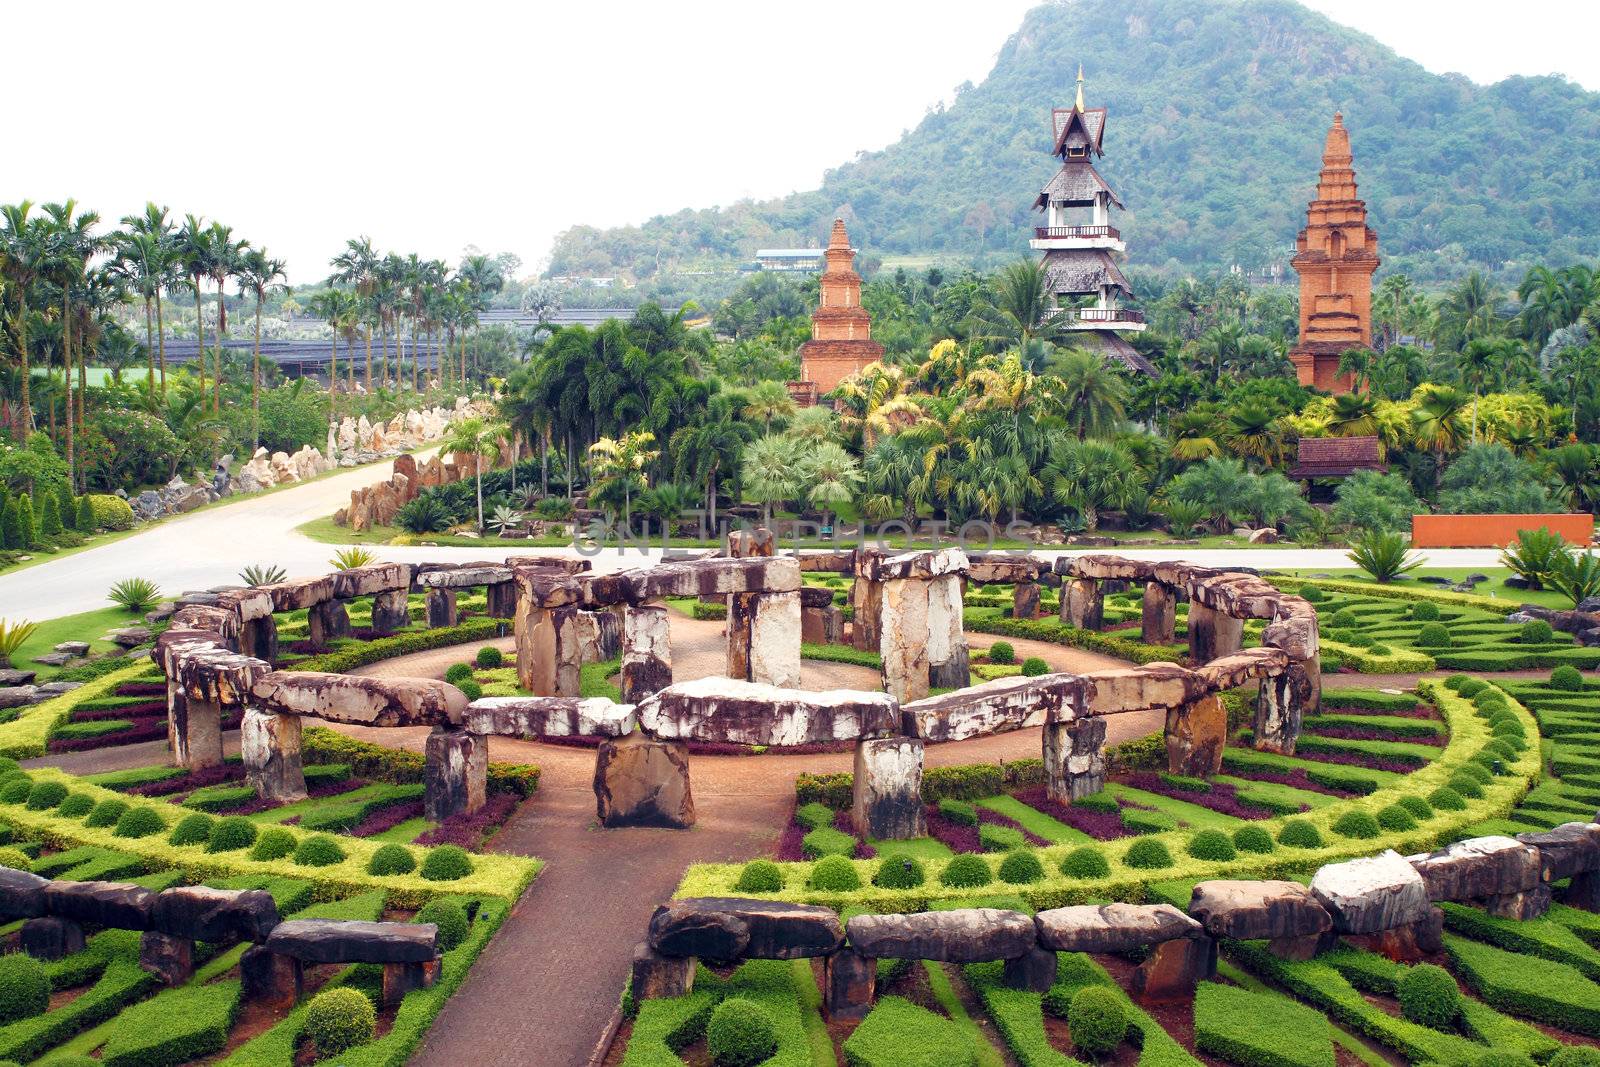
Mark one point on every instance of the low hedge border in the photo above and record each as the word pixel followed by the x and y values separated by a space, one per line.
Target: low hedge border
pixel 1391 592
pixel 27 735
pixel 320 745
pixel 991 621
pixel 1469 732
pixel 360 654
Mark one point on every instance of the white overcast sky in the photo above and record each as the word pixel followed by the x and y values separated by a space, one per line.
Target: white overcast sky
pixel 431 126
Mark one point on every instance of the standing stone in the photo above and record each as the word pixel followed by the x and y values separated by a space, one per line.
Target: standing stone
pixel 270 979
pixel 1082 604
pixel 502 600
pixel 1025 600
pixel 50 938
pixel 948 659
pixel 391 611
pixel 455 773
pixel 774 656
pixel 903 638
pixel 1281 704
pixel 866 598
pixel 259 638
pixel 1195 735
pixel 547 652
pixel 269 744
pixel 194 730
pixel 1212 634
pixel 169 958
pixel 642 782
pixel 1174 969
pixel 401 978
pixel 442 610
pixel 1035 971
pixel 1074 758
pixel 656 976
pixel 886 798
pixel 326 622
pixel 1158 620
pixel 646 651
pixel 740 619
pixel 850 981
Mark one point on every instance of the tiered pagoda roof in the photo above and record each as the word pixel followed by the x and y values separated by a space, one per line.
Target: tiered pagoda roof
pixel 841 329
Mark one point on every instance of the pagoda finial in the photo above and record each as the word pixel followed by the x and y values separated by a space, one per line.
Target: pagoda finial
pixel 838 238
pixel 1079 104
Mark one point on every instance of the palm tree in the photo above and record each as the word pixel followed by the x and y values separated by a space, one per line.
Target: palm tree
pixel 258 272
pixel 357 266
pixel 479 439
pixel 1357 363
pixel 834 476
pixel 1090 475
pixel 72 245
pixel 770 472
pixel 621 461
pixel 702 450
pixel 341 311
pixel 1016 309
pixel 767 401
pixel 1436 421
pixel 1253 431
pixel 1469 309
pixel 195 253
pixel 1481 362
pixel 1353 415
pixel 1093 395
pixel 1219 347
pixel 26 250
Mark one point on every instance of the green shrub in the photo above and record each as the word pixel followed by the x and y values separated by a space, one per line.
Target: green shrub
pixel 1002 652
pixel 457 673
pixel 966 871
pixel 471 688
pixel 1312 593
pixel 995 838
pixel 451 919
pixel 834 874
pixel 1428 995
pixel 318 850
pixel 1505 1058
pixel 1417 806
pixel 1021 867
pixel 46 795
pixel 1433 635
pixel 1395 818
pixel 1425 611
pixel 1299 833
pixel 1097 1021
pixel 110 512
pixel 76 806
pixel 1568 678
pixel 139 822
pixel 489 657
pixel 232 834
pixel 1470 687
pixel 446 864
pixel 741 1034
pixel 106 813
pixel 1446 799
pixel 16 790
pixel 899 872
pixel 1576 1056
pixel 1357 825
pixel 1085 862
pixel 1344 618
pixel 274 844
pixel 826 841
pixel 192 830
pixel 814 815
pixel 959 811
pixel 760 876
pixel 1147 854
pixel 24 988
pixel 1211 845
pixel 1490 701
pixel 1251 839
pixel 338 1019
pixel 1465 784
pixel 392 859
pixel 1033 667
pixel 15 858
pixel 1535 632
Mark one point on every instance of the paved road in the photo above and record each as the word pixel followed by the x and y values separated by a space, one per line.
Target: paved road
pixel 209 547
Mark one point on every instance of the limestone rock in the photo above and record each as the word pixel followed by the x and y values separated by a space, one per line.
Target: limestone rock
pixel 723 709
pixel 726 928
pixel 931 563
pixel 967 935
pixel 1371 894
pixel 455 773
pixel 362 700
pixel 1153 685
pixel 1195 737
pixel 350 941
pixel 1254 910
pixel 1479 867
pixel 646 652
pixel 371 579
pixel 1112 927
pixel 297 594
pixel 200 913
pixel 641 782
pixel 550 717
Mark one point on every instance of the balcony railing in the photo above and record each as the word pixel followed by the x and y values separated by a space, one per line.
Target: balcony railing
pixel 1097 315
pixel 1044 233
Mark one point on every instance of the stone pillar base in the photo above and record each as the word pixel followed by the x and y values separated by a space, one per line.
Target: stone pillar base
pixel 270 978
pixel 1411 943
pixel 1530 905
pixel 646 652
pixel 656 976
pixel 401 978
pixel 326 622
pixel 1025 601
pixel 194 730
pixel 1281 705
pixel 502 598
pixel 850 981
pixel 169 958
pixel 1082 604
pixel 442 610
pixel 548 652
pixel 866 597
pixel 50 938
pixel 391 612
pixel 1583 891
pixel 269 744
pixel 259 638
pixel 642 782
pixel 455 773
pixel 1174 969
pixel 886 799
pixel 1158 620
pixel 953 673
pixel 1074 759
pixel 903 637
pixel 1035 972
pixel 1195 736
pixel 1212 634
pixel 774 646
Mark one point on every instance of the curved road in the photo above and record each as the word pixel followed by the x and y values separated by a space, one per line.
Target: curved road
pixel 209 547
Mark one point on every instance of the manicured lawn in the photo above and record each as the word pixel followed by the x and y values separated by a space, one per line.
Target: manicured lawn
pixel 1036 822
pixel 86 626
pixel 1494 587
pixel 921 848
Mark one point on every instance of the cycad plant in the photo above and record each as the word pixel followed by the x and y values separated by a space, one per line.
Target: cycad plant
pixel 348 559
pixel 1383 555
pixel 135 595
pixel 1575 575
pixel 12 635
pixel 256 575
pixel 1534 554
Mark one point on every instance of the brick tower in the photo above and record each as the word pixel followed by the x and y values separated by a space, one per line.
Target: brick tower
pixel 841 330
pixel 1335 256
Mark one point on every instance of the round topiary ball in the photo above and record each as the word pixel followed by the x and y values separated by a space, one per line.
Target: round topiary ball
pixel 760 876
pixel 192 830
pixel 1429 995
pixel 1312 593
pixel 1535 632
pixel 392 859
pixel 1470 687
pixel 1425 611
pixel 46 795
pixel 1433 635
pixel 1576 1056
pixel 741 1033
pixel 338 1019
pixel 1021 867
pixel 966 871
pixel 446 864
pixel 471 688
pixel 16 789
pixel 1418 807
pixel 1343 619
pixel 318 850
pixel 1568 679
pixel 1002 652
pixel 1147 854
pixel 1357 825
pixel 1395 818
pixel 232 834
pixel 76 806
pixel 273 844
pixel 139 822
pixel 1446 799
pixel 1033 667
pixel 15 858
pixel 834 874
pixel 1212 845
pixel 1299 833
pixel 489 657
pixel 457 673
pixel 1085 862
pixel 1253 839
pixel 24 988
pixel 451 919
pixel 899 872
pixel 106 813
pixel 1097 1021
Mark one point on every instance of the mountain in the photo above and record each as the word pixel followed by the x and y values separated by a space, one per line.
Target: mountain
pixel 1218 109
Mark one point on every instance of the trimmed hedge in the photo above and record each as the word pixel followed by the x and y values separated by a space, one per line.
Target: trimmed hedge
pixel 320 745
pixel 27 735
pixel 1259 1029
pixel 173 1027
pixel 1538 989
pixel 898 1033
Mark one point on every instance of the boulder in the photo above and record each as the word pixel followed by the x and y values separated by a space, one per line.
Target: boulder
pixel 129 636
pixel 1174 969
pixel 169 958
pixel 656 976
pixel 455 773
pixel 50 938
pixel 724 709
pixel 1255 910
pixel 1112 927
pixel 718 575
pixel 1153 685
pixel 966 935
pixel 350 941
pixel 464 577
pixel 200 913
pixel 16 696
pixel 643 782
pixel 362 700
pixel 849 984
pixel 877 566
pixel 1004 704
pixel 1371 894
pixel 550 717
pixel 297 594
pixel 21 894
pixel 115 904
pixel 728 928
pixel 1573 848
pixel 1264 536
pixel 1103 568
pixel 1479 867
pixel 12 677
pixel 372 579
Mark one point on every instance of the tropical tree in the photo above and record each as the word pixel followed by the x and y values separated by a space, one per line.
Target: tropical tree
pixel 1015 310
pixel 1091 476
pixel 768 401
pixel 1436 420
pixel 26 250
pixel 621 462
pixel 770 472
pixel 479 438
pixel 833 475
pixel 703 450
pixel 1093 397
pixel 358 267
pixel 259 272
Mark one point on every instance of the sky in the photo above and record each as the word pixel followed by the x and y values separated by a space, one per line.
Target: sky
pixel 431 127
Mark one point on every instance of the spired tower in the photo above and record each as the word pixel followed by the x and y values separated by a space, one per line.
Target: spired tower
pixel 841 330
pixel 1077 239
pixel 1335 256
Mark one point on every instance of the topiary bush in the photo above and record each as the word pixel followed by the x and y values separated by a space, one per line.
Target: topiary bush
pixel 1299 833
pixel 339 1019
pixel 451 919
pixel 1212 845
pixel 1425 611
pixel 1535 632
pixel 966 871
pixel 1085 862
pixel 1395 818
pixel 471 688
pixel 1253 839
pixel 1428 995
pixel 1576 1056
pixel 1147 854
pixel 392 859
pixel 899 872
pixel 1446 799
pixel 1433 635
pixel 46 795
pixel 741 1033
pixel 1033 667
pixel 232 834
pixel 489 657
pixel 273 844
pixel 318 850
pixel 1465 784
pixel 1357 825
pixel 760 876
pixel 814 816
pixel 457 673
pixel 24 988
pixel 192 830
pixel 1312 593
pixel 1417 806
pixel 139 822
pixel 959 811
pixel 16 790
pixel 1097 1021
pixel 1568 678
pixel 16 859
pixel 446 864
pixel 106 813
pixel 1344 618
pixel 76 806
pixel 1504 1058
pixel 1021 867
pixel 834 874
pixel 1002 652
pixel 1469 687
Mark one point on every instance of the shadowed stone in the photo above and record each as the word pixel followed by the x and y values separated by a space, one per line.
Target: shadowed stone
pixel 401 978
pixel 1478 868
pixel 748 713
pixel 118 904
pixel 1256 910
pixel 1571 849
pixel 327 622
pixel 550 717
pixel 886 791
pixel 1153 685
pixel 1074 758
pixel 850 981
pixel 1158 616
pixel 966 935
pixel 1174 969
pixel 1112 927
pixel 1212 634
pixel 1196 734
pixel 50 938
pixel 455 773
pixel 269 746
pixel 362 700
pixel 348 941
pixel 169 958
pixel 1004 704
pixel 1282 703
pixel 1371 894
pixel 948 656
pixel 1034 971
pixel 655 976
pixel 1250 664
pixel 391 611
pixel 441 605
pixel 727 928
pixel 270 979
pixel 641 782
pixel 599 635
pixel 200 913
pixel 548 650
pixel 903 637
pixel 298 594
pixel 1406 944
pixel 866 599
pixel 21 894
pixel 1025 601
pixel 1082 604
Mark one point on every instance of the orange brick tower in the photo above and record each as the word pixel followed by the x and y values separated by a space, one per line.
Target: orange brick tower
pixel 1335 256
pixel 841 330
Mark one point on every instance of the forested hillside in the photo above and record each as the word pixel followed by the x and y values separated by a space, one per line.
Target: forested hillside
pixel 1217 113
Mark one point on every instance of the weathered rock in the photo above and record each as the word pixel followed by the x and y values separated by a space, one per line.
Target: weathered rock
pixel 966 935
pixel 994 568
pixel 118 904
pixel 548 645
pixel 73 648
pixel 1025 601
pixel 297 594
pixel 1211 633
pixel 200 913
pixel 269 745
pixel 1004 704
pixel 655 976
pixel 1034 971
pixel 850 981
pixel 727 928
pixel 362 700
pixel 351 941
pixel 948 656
pixel 1153 685
pixel 270 979
pixel 550 717
pixel 1112 927
pixel 722 709
pixel 1174 969
pixel 169 958
pixel 1103 567
pixel 12 677
pixel 1158 618
pixel 903 638
pixel 21 894
pixel 54 659
pixel 1479 867
pixel 774 657
pixel 371 580
pixel 391 611
pixel 866 600
pixel 1282 703
pixel 18 696
pixel 455 773
pixel 827 560
pixel 401 978
pixel 1520 906
pixel 50 938
pixel 1195 737
pixel 441 607
pixel 1082 604
pixel 816 596
pixel 1256 910
pixel 924 564
pixel 468 576
pixel 1406 944
pixel 130 636
pixel 646 651
pixel 1249 664
pixel 641 782
pixel 720 575
pixel 1371 894
pixel 886 797
pixel 1074 758
pixel 1573 848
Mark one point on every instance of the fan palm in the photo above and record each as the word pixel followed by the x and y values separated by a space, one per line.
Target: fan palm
pixel 833 474
pixel 769 470
pixel 478 438
pixel 1436 420
pixel 1093 396
pixel 258 272
pixel 1089 476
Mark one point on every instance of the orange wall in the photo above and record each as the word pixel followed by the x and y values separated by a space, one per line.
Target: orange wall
pixel 1493 531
